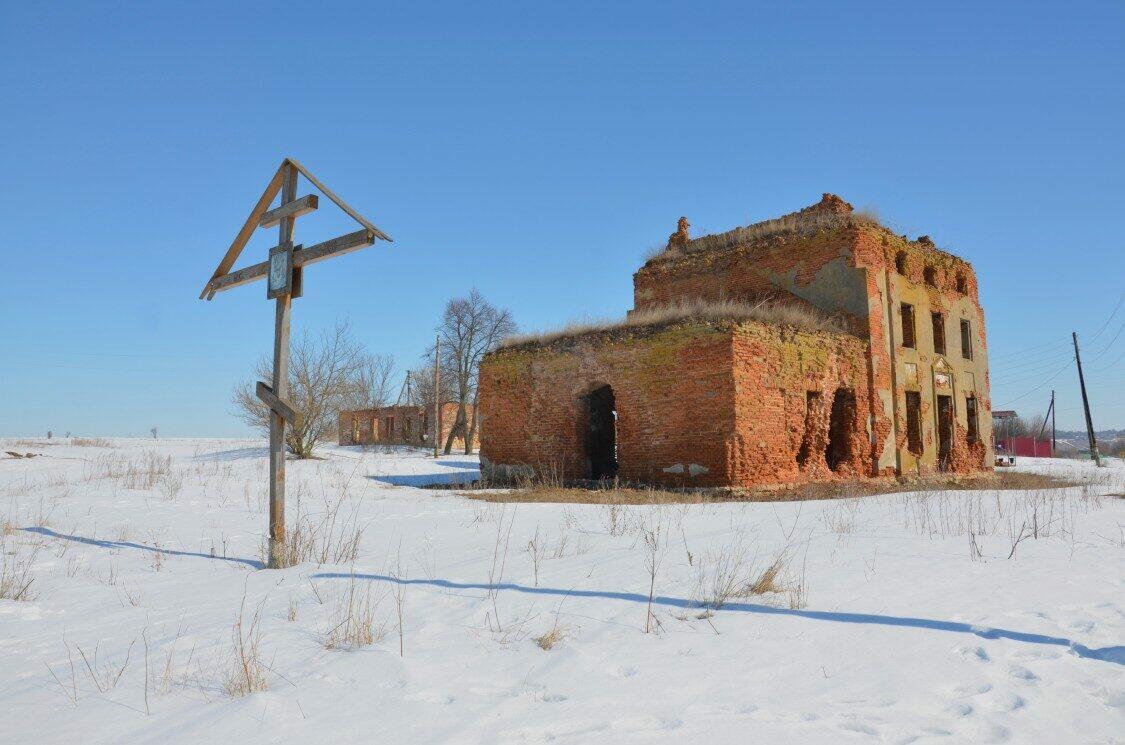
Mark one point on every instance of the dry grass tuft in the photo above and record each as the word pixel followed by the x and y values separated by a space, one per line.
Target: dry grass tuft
pixel 16 577
pixel 557 492
pixel 247 672
pixel 809 221
pixel 771 312
pixel 769 580
pixel 91 442
pixel 352 620
pixel 548 640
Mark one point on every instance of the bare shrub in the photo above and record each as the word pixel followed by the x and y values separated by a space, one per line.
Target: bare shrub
pixel 327 374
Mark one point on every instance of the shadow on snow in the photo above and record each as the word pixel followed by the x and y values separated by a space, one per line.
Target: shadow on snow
pixel 47 532
pixel 450 478
pixel 1108 654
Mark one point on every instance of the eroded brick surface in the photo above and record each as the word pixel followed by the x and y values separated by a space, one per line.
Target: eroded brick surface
pixel 726 403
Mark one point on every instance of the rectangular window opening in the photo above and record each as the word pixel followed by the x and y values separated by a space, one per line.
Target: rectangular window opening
pixel 971 413
pixel 914 422
pixel 907 312
pixel 939 332
pixel 966 340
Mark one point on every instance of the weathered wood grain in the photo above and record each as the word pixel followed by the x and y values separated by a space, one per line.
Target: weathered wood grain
pixel 339 202
pixel 284 408
pixel 300 206
pixel 245 232
pixel 338 246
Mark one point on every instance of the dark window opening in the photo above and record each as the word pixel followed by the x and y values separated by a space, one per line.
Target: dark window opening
pixel 812 409
pixel 939 332
pixel 841 426
pixel 966 340
pixel 929 274
pixel 907 312
pixel 971 418
pixel 900 262
pixel 945 432
pixel 962 283
pixel 914 422
pixel 601 433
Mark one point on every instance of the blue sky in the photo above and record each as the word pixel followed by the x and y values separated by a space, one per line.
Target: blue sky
pixel 536 151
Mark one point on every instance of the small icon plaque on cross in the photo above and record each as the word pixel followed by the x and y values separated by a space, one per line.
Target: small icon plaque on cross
pixel 280 271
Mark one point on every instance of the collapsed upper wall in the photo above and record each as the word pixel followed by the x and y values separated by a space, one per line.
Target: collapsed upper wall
pixel 808 258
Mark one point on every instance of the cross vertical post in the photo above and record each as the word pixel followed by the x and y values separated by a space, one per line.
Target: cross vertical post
pixel 280 386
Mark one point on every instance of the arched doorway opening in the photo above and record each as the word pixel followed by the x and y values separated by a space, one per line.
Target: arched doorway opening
pixel 601 433
pixel 841 427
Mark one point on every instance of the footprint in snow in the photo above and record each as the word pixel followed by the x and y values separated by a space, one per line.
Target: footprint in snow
pixel 860 727
pixel 623 672
pixel 1008 703
pixel 959 710
pixel 1019 672
pixel 1112 699
pixel 974 653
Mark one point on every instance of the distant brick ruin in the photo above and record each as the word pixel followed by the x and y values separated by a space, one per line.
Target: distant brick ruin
pixel 397 425
pixel 812 347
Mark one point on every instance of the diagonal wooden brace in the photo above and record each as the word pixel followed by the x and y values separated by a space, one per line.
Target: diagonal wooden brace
pixel 282 408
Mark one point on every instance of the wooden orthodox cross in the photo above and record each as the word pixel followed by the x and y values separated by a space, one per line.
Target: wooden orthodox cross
pixel 283 274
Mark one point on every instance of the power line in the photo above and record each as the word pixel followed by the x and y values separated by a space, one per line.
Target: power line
pixel 1036 388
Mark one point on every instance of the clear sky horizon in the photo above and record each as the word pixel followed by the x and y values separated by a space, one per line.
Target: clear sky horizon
pixel 536 152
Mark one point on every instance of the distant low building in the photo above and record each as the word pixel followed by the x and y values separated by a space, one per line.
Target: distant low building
pixel 398 425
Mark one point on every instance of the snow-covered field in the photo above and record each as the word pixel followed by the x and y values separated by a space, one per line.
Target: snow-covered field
pixel 895 618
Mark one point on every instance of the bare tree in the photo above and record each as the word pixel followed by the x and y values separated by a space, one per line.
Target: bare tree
pixel 371 382
pixel 327 374
pixel 470 327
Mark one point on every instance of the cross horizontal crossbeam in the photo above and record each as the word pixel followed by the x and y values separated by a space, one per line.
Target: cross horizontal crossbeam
pixel 282 408
pixel 301 257
pixel 300 206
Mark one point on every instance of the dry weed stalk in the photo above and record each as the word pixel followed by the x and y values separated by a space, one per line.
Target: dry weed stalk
pixel 352 617
pixel 16 577
pixel 247 672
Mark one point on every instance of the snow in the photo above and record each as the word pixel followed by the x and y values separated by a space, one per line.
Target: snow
pixel 915 625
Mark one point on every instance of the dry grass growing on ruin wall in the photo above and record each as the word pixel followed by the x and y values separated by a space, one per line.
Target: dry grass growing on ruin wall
pixel 794 224
pixel 773 313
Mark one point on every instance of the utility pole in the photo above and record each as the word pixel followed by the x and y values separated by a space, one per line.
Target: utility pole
pixel 1053 445
pixel 437 392
pixel 1050 415
pixel 1086 404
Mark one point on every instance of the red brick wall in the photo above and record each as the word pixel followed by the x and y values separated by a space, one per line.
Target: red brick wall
pixel 674 399
pixel 775 369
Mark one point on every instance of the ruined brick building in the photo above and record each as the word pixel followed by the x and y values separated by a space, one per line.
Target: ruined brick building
pixel 815 346
pixel 398 425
